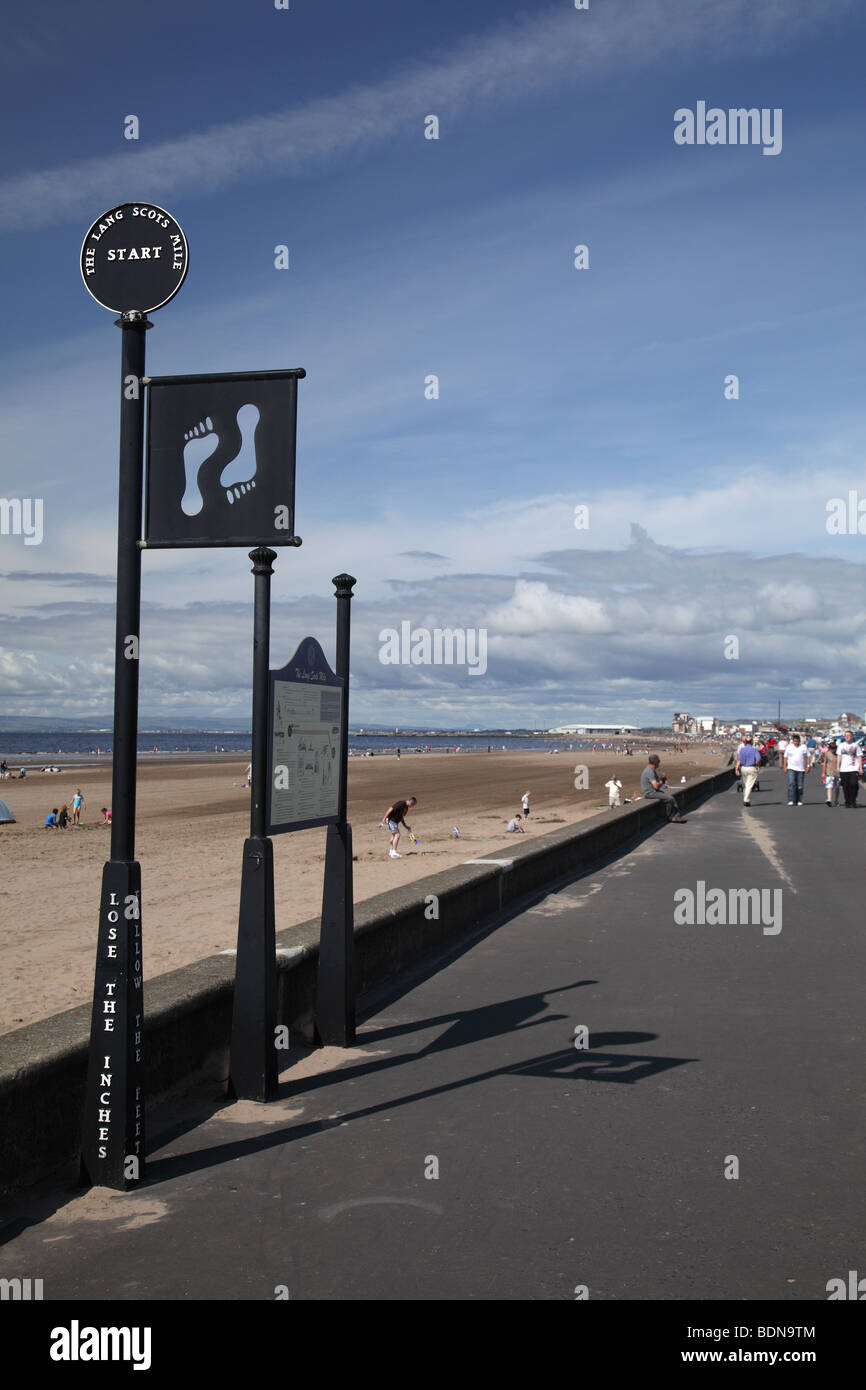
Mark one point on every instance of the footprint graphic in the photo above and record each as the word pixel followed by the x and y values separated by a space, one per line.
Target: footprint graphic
pixel 239 474
pixel 201 442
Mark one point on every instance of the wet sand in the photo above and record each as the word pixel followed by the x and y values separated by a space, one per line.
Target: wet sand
pixel 192 820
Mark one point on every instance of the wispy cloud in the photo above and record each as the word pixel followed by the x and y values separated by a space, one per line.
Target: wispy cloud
pixel 510 63
pixel 72 581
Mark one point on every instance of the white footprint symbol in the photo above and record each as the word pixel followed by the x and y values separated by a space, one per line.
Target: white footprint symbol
pixel 201 441
pixel 239 475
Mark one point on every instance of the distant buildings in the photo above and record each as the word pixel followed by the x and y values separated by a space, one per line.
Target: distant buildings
pixel 689 724
pixel 705 724
pixel 595 729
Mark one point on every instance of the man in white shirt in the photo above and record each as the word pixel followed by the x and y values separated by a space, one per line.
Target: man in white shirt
pixel 850 756
pixel 797 764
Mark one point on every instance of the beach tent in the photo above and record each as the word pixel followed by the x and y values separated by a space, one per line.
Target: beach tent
pixel 6 815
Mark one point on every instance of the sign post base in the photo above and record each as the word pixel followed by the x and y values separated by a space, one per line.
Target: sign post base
pixel 335 991
pixel 254 1014
pixel 112 1149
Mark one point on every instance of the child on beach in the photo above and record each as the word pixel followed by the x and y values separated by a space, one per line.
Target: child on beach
pixel 63 818
pixel 78 805
pixel 106 815
pixel 515 826
pixel 614 793
pixel 525 801
pixel 51 820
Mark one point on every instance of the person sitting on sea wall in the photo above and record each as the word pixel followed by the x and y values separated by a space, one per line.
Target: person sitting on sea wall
pixel 653 785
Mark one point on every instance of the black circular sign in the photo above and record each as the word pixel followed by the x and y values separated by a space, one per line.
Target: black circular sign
pixel 134 257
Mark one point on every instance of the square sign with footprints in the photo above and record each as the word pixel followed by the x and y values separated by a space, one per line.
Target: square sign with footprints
pixel 221 459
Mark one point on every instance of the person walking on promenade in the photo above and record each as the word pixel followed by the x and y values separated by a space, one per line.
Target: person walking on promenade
pixel 78 805
pixel 830 764
pixel 653 785
pixel 797 764
pixel 748 762
pixel 393 818
pixel 850 763
pixel 764 758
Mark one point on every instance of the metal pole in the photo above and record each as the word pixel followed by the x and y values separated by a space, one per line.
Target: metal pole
pixel 263 567
pixel 133 327
pixel 113 1144
pixel 253 1070
pixel 335 996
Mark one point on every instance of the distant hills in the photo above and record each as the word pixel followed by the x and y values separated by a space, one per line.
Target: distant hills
pixel 147 723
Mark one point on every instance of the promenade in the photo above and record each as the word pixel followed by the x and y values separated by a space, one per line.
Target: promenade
pixel 710 1048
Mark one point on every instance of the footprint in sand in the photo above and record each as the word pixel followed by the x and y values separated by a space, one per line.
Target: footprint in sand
pixel 201 441
pixel 239 475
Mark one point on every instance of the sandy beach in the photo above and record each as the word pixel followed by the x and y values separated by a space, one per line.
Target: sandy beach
pixel 192 820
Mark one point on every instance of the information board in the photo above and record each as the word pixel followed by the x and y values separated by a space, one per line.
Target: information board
pixel 305 740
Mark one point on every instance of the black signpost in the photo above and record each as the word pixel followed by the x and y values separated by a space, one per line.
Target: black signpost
pixel 133 260
pixel 253 1068
pixel 335 988
pixel 221 472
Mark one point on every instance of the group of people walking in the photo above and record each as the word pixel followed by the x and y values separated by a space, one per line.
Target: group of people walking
pixel 840 761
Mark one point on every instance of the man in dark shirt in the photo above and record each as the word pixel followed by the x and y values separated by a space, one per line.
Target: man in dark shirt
pixel 393 818
pixel 653 785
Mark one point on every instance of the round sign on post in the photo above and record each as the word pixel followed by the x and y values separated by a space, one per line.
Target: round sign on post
pixel 134 258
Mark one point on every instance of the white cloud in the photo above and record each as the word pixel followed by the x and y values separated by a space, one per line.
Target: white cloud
pixel 535 607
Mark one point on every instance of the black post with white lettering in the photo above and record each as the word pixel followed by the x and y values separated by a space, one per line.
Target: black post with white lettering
pixel 335 994
pixel 112 1152
pixel 134 259
pixel 253 1066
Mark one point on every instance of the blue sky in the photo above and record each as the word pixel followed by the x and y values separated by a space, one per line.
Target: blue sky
pixel 558 387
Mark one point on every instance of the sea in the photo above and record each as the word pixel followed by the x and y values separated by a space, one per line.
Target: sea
pixel 37 748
